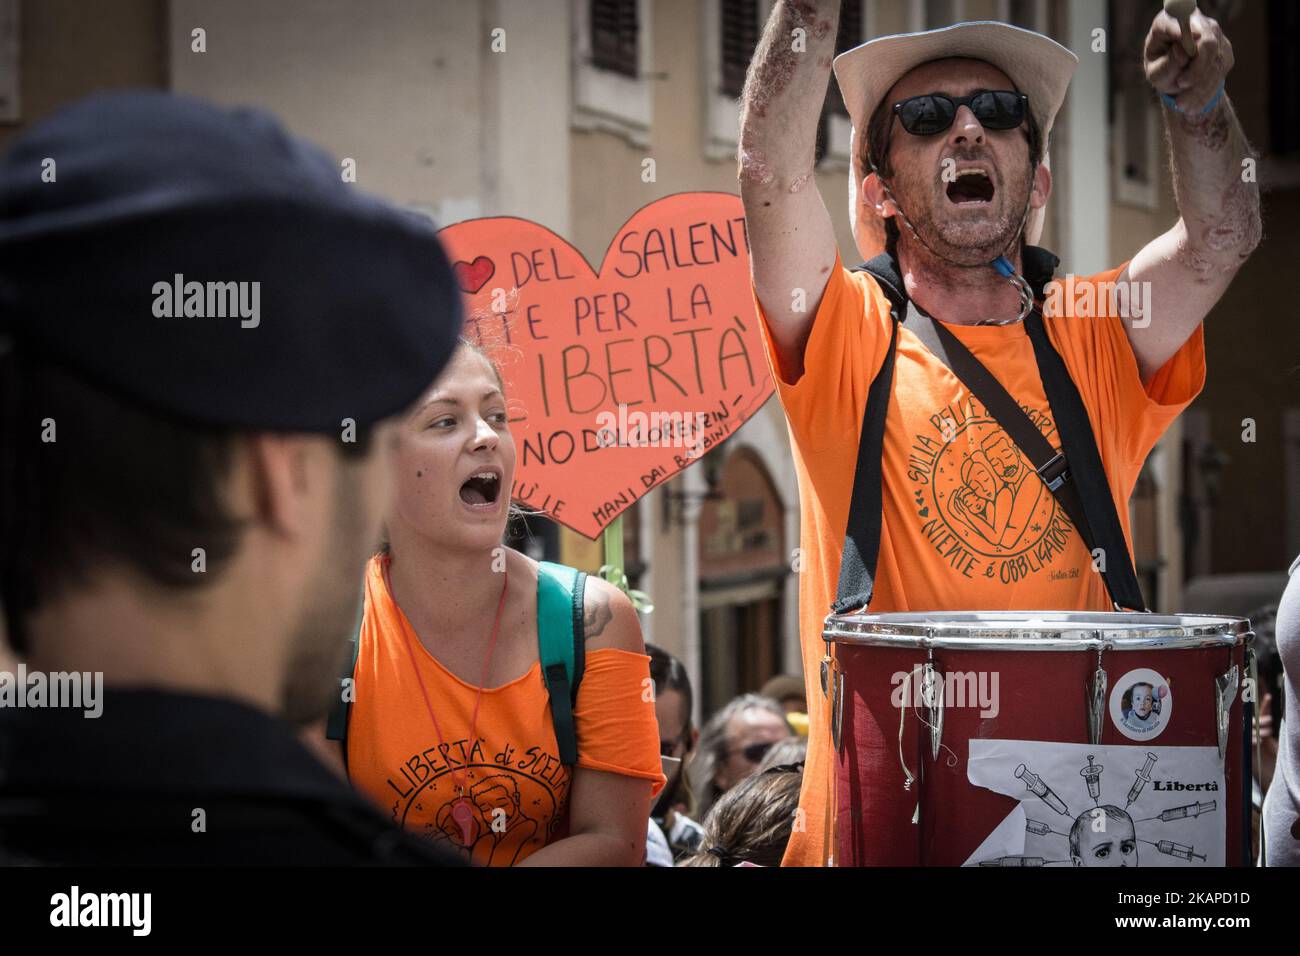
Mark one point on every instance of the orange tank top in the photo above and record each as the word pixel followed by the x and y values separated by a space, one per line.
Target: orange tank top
pixel 511 770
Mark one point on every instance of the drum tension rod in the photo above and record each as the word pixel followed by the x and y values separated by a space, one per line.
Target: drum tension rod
pixel 1095 697
pixel 1225 692
pixel 933 691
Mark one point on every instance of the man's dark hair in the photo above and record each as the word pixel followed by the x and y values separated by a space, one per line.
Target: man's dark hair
pixel 668 673
pixel 874 148
pixel 119 483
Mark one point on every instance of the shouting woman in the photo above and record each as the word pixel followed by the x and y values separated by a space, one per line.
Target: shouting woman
pixel 453 729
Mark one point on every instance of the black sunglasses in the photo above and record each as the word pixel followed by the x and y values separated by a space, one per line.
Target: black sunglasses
pixel 667 747
pixel 934 112
pixel 754 753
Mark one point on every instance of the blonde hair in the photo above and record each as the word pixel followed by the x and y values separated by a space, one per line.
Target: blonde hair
pixel 488 353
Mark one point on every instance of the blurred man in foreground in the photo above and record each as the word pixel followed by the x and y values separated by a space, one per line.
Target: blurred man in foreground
pixel 204 336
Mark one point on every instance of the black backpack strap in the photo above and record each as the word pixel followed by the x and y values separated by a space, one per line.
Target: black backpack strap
pixel 862 533
pixel 579 632
pixel 1101 519
pixel 1038 266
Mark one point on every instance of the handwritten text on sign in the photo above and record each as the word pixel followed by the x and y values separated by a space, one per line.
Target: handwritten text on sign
pixel 628 375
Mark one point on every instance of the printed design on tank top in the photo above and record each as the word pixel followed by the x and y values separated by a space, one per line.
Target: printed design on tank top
pixel 978 501
pixel 518 798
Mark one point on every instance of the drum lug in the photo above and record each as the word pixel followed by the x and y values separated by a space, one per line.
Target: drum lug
pixel 1095 699
pixel 932 694
pixel 1225 692
pixel 837 706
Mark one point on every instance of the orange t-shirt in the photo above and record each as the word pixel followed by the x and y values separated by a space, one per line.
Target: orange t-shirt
pixel 512 769
pixel 968 525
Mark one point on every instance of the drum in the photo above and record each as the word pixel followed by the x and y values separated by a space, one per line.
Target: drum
pixel 1038 739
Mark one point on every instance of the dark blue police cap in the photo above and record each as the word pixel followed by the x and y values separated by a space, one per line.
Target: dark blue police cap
pixel 207 263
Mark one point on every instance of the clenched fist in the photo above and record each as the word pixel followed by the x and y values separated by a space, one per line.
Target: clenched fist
pixel 1191 81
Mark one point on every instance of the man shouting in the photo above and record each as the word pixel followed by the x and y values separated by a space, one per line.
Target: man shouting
pixel 954 506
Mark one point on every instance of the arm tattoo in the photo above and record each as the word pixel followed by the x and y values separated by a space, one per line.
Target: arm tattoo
pixel 596 614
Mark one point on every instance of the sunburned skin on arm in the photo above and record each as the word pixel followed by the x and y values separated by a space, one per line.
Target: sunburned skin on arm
pixel 791 237
pixel 1220 208
pixel 800 183
pixel 1187 269
pixel 776 60
pixel 1211 130
pixel 776 57
pixel 1230 226
pixel 753 166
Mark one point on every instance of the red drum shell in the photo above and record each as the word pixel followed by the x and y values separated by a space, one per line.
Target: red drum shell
pixel 1042 696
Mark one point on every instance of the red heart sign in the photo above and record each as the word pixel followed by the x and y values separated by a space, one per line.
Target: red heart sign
pixel 472 276
pixel 619 378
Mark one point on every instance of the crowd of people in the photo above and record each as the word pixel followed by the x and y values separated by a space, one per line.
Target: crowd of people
pixel 192 497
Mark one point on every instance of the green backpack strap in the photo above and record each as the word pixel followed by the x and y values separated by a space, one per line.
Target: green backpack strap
pixel 561 647
pixel 336 726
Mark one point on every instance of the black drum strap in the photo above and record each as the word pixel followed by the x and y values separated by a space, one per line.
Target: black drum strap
pixel 862 536
pixel 1100 527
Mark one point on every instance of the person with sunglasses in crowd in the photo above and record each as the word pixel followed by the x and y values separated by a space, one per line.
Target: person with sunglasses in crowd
pixel 951 130
pixel 751 824
pixel 678 736
pixel 732 744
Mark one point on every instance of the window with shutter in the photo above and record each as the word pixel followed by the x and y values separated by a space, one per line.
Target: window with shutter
pixel 849 35
pixel 1133 109
pixel 614 36
pixel 1284 67
pixel 740 30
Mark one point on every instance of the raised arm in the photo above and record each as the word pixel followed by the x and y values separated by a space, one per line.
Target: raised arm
pixel 791 239
pixel 1190 266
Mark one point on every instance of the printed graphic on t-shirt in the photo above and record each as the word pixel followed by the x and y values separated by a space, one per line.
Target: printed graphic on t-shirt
pixel 514 801
pixel 978 501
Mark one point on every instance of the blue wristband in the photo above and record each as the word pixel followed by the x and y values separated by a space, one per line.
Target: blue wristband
pixel 1173 105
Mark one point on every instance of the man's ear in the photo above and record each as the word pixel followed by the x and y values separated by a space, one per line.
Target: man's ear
pixel 1042 189
pixel 283 473
pixel 875 198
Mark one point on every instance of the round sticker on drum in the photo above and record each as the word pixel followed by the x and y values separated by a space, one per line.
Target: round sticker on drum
pixel 1141 704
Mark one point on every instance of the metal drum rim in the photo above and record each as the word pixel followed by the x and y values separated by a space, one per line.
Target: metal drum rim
pixel 1089 630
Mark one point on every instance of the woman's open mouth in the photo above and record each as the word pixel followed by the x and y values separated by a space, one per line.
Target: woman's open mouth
pixel 482 489
pixel 971 187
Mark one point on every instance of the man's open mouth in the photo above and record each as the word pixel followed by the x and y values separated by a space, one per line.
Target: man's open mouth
pixel 970 186
pixel 481 488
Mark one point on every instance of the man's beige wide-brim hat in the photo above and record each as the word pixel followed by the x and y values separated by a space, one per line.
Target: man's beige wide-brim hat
pixel 1039 66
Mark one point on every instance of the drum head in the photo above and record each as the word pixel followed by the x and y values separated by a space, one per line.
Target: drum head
pixel 1036 630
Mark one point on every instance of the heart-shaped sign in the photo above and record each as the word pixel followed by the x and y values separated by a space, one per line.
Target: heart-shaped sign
pixel 617 379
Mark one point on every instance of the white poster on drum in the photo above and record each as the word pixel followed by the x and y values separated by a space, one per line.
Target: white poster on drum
pixel 1096 805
